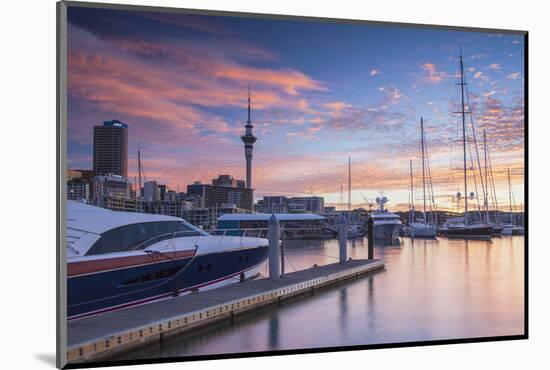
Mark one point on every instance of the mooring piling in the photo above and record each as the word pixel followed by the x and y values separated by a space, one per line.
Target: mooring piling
pixel 274 259
pixel 343 239
pixel 370 232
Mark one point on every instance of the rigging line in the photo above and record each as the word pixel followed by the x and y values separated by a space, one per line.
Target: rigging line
pixel 475 139
pixel 475 179
pixel 477 153
pixel 430 182
pixel 514 203
pixel 493 188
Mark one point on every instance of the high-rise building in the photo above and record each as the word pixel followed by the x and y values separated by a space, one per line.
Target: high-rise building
pixel 248 140
pixel 111 149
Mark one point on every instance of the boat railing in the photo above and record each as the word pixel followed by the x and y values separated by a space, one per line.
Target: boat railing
pixel 166 236
pixel 223 233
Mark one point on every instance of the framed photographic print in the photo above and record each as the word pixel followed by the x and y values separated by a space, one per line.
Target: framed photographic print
pixel 236 185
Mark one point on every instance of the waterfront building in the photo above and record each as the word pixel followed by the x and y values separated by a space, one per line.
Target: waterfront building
pixel 262 207
pixel 293 226
pixel 110 186
pixel 330 210
pixel 74 174
pixel 110 149
pixel 170 195
pixel 306 204
pixel 248 139
pixel 79 184
pixel 151 191
pixel 283 204
pixel 272 204
pixel 275 200
pixel 166 207
pixel 356 216
pixel 120 204
pixel 212 196
pixel 229 182
pixel 78 189
pixel 207 218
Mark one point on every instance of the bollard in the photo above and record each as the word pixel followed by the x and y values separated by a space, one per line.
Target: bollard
pixel 343 238
pixel 370 232
pixel 273 236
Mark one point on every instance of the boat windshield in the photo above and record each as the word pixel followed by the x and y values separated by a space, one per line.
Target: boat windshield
pixel 139 236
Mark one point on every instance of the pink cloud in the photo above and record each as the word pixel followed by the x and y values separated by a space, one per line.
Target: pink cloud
pixel 434 76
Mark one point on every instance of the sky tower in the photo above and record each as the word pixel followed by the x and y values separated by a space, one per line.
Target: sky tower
pixel 248 140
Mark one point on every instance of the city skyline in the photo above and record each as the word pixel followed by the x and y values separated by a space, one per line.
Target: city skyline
pixel 320 93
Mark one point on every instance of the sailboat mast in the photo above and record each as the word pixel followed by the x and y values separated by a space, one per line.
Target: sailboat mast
pixel 341 197
pixel 423 169
pixel 139 173
pixel 463 112
pixel 411 213
pixel 349 183
pixel 510 194
pixel 486 195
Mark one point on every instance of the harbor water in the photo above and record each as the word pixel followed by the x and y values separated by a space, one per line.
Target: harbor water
pixel 430 290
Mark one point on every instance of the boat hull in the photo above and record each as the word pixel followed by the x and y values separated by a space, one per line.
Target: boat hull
pixel 496 230
pixel 422 232
pixel 479 233
pixel 512 231
pixel 386 231
pixel 95 293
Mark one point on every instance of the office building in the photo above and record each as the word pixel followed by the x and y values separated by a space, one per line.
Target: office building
pixel 272 204
pixel 110 186
pixel 78 189
pixel 229 182
pixel 110 149
pixel 151 191
pixel 213 196
pixel 306 204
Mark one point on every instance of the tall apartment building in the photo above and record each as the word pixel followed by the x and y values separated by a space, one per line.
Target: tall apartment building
pixel 110 154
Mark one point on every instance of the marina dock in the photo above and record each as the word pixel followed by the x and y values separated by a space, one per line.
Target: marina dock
pixel 101 337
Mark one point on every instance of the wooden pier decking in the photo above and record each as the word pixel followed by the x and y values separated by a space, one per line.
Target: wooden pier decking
pixel 103 336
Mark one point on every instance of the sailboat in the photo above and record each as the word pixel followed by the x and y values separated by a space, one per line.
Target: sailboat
pixel 460 227
pixel 420 229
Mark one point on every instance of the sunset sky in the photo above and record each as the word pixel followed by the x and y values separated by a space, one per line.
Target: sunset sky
pixel 320 92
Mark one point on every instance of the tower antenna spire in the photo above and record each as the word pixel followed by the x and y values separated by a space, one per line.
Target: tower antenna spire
pixel 248 139
pixel 249 121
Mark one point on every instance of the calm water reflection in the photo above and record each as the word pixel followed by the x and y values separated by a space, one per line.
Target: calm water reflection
pixel 431 289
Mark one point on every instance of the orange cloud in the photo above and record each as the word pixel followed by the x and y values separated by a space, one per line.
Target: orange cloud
pixel 434 76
